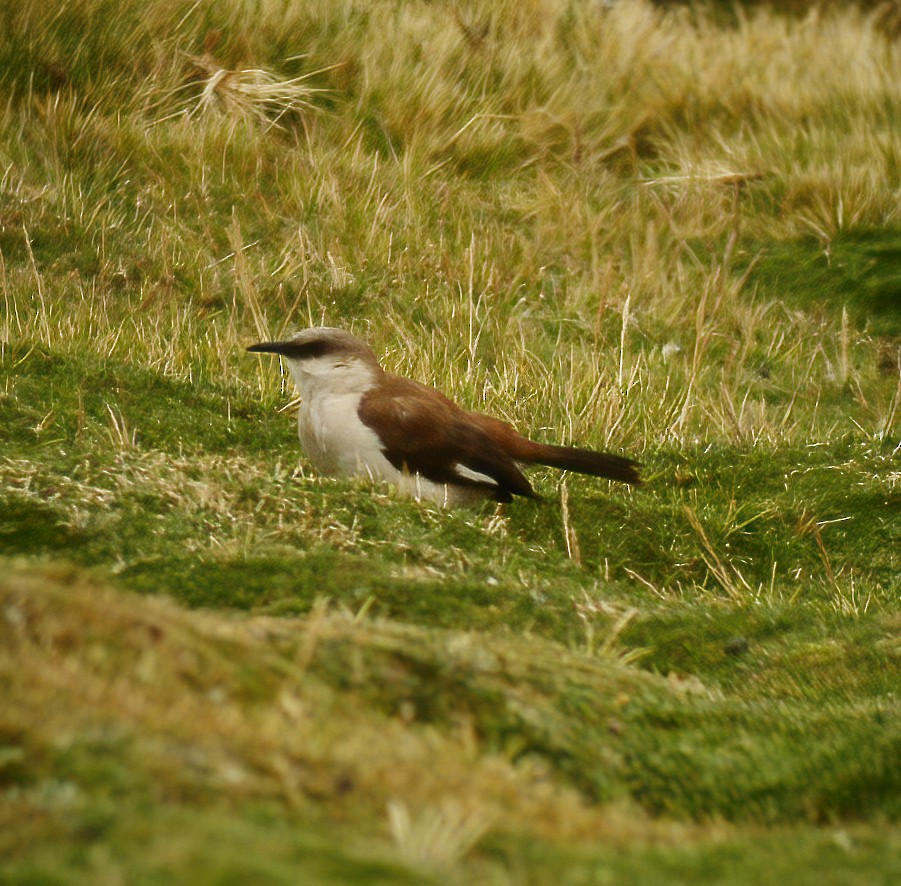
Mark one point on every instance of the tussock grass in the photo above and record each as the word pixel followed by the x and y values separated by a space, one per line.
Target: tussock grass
pixel 663 231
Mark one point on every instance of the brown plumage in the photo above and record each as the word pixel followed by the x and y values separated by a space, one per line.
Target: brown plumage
pixel 426 433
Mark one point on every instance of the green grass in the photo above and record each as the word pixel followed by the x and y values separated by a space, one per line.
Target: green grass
pixel 858 271
pixel 671 233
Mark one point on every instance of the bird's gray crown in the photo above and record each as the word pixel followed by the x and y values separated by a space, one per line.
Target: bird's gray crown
pixel 320 341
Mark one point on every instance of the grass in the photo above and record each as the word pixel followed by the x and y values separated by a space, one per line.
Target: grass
pixel 856 273
pixel 670 233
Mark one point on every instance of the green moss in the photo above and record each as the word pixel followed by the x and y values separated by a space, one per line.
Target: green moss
pixel 832 856
pixel 259 846
pixel 164 413
pixel 858 270
pixel 34 528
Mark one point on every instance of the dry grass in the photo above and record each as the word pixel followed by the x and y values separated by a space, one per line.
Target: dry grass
pixel 652 341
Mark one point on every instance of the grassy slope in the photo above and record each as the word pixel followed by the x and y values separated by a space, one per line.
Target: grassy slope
pixel 628 228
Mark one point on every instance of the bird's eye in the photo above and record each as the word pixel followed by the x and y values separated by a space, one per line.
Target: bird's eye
pixel 340 366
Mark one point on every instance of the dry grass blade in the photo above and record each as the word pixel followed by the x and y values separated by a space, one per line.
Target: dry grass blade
pixel 569 531
pixel 724 573
pixel 438 835
pixel 122 436
pixel 244 283
pixel 252 94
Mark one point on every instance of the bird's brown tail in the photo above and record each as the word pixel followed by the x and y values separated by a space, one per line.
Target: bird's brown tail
pixel 584 461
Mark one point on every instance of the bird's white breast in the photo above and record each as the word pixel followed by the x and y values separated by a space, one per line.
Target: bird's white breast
pixel 336 440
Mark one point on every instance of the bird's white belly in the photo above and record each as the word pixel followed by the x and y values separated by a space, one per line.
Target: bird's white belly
pixel 337 442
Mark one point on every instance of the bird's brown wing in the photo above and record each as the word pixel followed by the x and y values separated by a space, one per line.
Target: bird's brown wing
pixel 424 433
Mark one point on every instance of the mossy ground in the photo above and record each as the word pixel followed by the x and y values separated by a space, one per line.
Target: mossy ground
pixel 665 232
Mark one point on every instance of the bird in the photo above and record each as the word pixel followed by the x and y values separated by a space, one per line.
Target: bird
pixel 356 419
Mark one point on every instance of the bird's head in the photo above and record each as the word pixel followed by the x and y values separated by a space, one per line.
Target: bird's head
pixel 326 360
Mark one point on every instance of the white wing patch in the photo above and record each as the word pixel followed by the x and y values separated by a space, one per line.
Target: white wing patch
pixel 469 474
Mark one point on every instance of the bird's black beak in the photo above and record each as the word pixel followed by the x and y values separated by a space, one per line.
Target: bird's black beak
pixel 270 347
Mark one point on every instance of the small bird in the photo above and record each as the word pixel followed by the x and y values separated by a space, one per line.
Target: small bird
pixel 355 419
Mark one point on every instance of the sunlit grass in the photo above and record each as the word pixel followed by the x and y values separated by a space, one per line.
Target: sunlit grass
pixel 319 227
